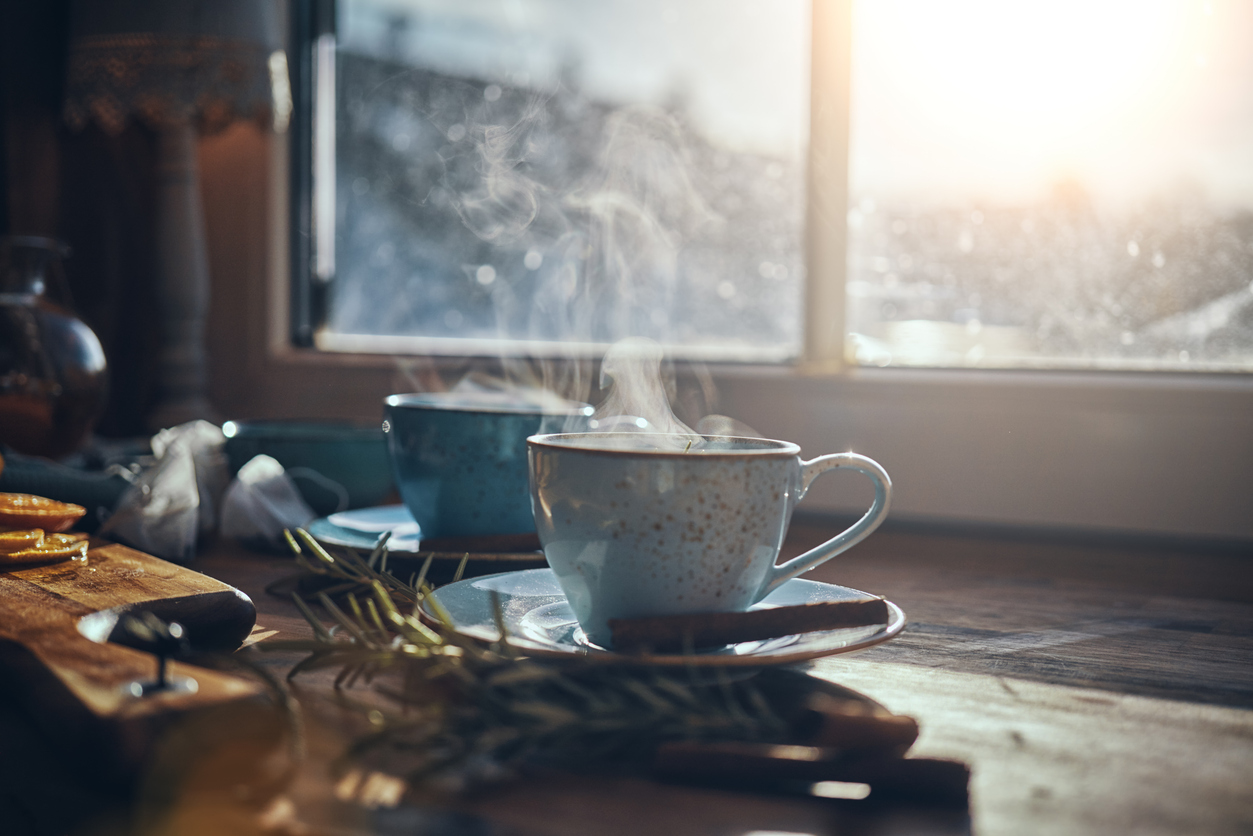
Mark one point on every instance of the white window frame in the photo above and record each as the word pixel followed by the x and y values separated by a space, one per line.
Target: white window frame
pixel 1103 452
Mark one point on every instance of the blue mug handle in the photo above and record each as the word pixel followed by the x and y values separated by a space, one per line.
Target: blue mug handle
pixel 799 565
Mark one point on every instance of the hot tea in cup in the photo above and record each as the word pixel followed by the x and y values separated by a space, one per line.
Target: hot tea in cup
pixel 637 524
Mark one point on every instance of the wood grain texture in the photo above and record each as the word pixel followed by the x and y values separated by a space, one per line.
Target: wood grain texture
pixel 1069 728
pixel 1160 622
pixel 55 622
pixel 1092 690
pixel 1050 759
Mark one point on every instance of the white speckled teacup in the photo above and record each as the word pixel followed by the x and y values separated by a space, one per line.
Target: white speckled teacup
pixel 635 525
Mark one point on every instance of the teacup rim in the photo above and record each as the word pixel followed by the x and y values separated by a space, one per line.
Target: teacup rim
pixel 436 401
pixel 550 441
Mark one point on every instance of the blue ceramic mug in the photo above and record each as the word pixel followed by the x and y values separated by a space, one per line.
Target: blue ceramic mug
pixel 460 461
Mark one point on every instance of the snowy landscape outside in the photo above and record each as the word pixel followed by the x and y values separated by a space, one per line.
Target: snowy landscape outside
pixel 1052 185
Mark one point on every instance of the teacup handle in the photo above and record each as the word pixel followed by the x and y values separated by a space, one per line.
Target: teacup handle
pixel 849 537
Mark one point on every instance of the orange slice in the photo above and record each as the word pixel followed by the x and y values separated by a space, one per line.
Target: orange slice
pixel 16 541
pixel 26 511
pixel 54 549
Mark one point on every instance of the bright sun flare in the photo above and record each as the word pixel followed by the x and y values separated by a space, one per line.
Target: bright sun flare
pixel 1023 92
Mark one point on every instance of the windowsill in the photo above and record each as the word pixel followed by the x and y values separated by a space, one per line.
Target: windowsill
pixel 1040 380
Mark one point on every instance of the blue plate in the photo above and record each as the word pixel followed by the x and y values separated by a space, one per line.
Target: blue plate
pixel 361 529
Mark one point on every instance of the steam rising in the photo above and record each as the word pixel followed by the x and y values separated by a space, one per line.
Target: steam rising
pixel 637 212
pixel 506 201
pixel 632 371
pixel 602 265
pixel 606 247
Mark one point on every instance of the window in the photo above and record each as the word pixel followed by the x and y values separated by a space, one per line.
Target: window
pixel 1052 185
pixel 1003 400
pixel 1033 185
pixel 517 176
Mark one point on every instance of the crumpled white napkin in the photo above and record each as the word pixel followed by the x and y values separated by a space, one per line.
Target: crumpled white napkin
pixel 208 450
pixel 161 513
pixel 261 502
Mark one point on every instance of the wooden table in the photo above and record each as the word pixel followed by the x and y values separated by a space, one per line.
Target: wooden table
pixel 1091 689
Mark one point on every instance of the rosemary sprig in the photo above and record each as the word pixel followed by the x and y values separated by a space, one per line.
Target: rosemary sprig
pixel 469 708
pixel 354 573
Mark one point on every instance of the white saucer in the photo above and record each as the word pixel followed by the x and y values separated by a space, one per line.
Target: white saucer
pixel 540 623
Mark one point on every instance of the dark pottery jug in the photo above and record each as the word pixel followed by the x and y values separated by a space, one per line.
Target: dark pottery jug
pixel 53 377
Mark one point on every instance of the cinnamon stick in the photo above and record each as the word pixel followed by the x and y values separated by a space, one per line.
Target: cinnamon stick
pixel 673 633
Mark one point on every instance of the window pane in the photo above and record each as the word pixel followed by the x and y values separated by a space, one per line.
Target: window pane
pixel 1054 184
pixel 559 170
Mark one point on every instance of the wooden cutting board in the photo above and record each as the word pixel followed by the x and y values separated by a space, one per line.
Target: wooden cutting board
pixel 56 660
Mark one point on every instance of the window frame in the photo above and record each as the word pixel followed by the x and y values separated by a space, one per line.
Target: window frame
pixel 1154 453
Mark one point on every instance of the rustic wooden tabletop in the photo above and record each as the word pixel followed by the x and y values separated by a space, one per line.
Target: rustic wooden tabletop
pixel 1091 689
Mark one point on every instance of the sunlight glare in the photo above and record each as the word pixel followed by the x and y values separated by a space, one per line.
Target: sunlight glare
pixel 1015 93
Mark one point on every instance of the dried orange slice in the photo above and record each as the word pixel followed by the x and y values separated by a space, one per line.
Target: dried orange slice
pixel 26 511
pixel 54 549
pixel 16 541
